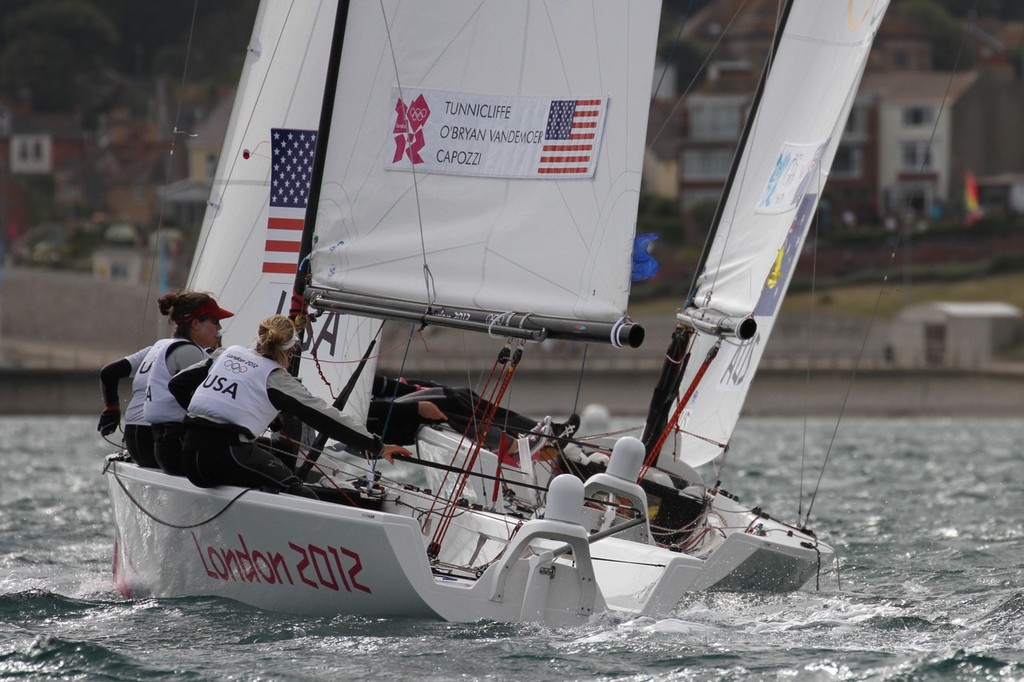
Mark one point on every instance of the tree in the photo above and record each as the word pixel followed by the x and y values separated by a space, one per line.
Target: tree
pixel 52 48
pixel 945 33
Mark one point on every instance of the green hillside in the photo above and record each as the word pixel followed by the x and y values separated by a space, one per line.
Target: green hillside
pixel 888 296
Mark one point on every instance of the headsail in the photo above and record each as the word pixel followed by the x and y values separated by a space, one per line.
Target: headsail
pixel 438 194
pixel 778 175
pixel 248 248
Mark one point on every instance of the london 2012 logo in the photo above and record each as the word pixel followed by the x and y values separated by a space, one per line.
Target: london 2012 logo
pixel 409 129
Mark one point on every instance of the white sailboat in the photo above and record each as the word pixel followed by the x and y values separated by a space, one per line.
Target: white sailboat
pixel 435 200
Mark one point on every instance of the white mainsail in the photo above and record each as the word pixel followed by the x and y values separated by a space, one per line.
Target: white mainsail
pixel 812 80
pixel 244 256
pixel 416 208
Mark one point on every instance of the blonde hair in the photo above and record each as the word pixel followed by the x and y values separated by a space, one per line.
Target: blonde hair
pixel 275 333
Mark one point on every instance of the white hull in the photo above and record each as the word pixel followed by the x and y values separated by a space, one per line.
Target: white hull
pixel 291 554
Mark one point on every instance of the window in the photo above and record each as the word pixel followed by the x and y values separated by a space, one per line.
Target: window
pixel 706 164
pixel 697 197
pixel 711 120
pixel 849 162
pixel 30 153
pixel 915 117
pixel 857 124
pixel 916 156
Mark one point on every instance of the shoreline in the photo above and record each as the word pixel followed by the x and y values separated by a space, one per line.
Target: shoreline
pixel 996 392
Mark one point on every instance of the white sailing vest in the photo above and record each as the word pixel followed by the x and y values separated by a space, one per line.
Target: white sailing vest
pixel 133 412
pixel 235 390
pixel 160 406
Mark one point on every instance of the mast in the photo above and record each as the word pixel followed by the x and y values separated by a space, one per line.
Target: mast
pixel 672 371
pixel 298 309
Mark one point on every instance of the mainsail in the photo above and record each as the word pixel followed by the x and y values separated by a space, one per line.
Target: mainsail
pixel 778 174
pixel 484 162
pixel 248 249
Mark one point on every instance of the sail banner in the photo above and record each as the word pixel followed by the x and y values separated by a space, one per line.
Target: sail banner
pixel 465 95
pixel 507 136
pixel 793 171
pixel 778 176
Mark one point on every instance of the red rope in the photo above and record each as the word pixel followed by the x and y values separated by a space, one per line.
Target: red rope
pixel 652 456
pixel 500 387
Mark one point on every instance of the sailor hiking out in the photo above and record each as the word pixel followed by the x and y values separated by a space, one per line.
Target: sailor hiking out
pixel 235 395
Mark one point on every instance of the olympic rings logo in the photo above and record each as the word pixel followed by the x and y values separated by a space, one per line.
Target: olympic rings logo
pixel 417 114
pixel 236 367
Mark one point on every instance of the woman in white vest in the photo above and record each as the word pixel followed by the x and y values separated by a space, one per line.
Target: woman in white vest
pixel 138 437
pixel 196 317
pixel 197 322
pixel 232 399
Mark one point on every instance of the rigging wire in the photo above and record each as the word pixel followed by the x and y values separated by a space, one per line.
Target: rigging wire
pixel 809 335
pixel 140 333
pixel 428 277
pixel 672 50
pixel 164 522
pixel 246 155
pixel 741 173
pixel 903 231
pixel 693 81
pixel 579 381
pixel 391 403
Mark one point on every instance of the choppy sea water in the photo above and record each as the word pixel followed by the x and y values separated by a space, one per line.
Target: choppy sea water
pixel 928 516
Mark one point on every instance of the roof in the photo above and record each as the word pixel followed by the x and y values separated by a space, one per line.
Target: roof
pixel 57 126
pixel 214 126
pixel 951 309
pixel 915 86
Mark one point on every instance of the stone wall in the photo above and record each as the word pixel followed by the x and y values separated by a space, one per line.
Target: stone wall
pixel 57 319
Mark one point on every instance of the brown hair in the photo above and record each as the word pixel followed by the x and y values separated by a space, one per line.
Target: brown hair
pixel 275 332
pixel 179 306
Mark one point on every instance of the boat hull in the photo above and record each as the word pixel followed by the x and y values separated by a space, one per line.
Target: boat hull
pixel 281 553
pixel 297 555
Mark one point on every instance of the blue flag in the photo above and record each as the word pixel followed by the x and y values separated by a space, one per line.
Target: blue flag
pixel 644 264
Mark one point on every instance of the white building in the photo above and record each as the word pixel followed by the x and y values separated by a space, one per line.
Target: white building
pixel 954 335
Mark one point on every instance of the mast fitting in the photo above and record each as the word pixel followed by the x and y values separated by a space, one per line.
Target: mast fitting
pixel 742 328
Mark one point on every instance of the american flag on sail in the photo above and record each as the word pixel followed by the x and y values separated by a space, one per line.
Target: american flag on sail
pixel 292 164
pixel 570 137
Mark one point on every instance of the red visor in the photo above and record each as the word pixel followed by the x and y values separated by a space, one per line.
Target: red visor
pixel 211 310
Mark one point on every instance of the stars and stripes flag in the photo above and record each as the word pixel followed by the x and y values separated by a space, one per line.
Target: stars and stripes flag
pixel 291 166
pixel 569 140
